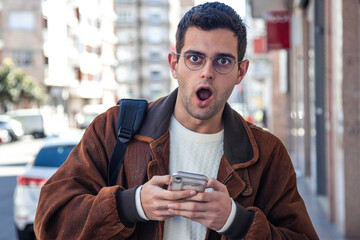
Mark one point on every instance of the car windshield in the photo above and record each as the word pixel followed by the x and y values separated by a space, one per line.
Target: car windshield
pixel 52 156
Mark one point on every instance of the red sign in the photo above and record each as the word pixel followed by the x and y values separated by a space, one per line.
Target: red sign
pixel 278 29
pixel 259 45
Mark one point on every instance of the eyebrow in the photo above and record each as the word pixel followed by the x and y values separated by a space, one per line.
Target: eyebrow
pixel 203 54
pixel 194 52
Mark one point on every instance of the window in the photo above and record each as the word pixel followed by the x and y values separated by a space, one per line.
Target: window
pixel 123 1
pixel 21 20
pixel 78 74
pixel 45 22
pixel 22 57
pixel 155 19
pixel 77 14
pixel 126 36
pixel 125 54
pixel 154 2
pixel 156 93
pixel 155 35
pixel 125 17
pixel 155 76
pixel 155 56
pixel 53 156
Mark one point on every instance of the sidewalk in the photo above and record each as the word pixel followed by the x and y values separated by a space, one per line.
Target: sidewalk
pixel 324 229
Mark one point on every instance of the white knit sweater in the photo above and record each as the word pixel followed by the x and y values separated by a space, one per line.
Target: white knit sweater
pixel 197 153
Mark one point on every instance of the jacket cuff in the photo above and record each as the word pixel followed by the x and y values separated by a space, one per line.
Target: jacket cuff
pixel 241 224
pixel 126 207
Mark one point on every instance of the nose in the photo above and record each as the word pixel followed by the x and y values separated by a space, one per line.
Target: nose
pixel 208 70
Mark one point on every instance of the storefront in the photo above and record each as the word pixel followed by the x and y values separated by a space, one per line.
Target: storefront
pixel 324 101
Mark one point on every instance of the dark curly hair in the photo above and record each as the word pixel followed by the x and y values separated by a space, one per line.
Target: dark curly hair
pixel 211 16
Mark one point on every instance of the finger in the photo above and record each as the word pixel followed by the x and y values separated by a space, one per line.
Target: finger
pixel 207 214
pixel 188 206
pixel 189 211
pixel 216 185
pixel 178 195
pixel 160 180
pixel 160 215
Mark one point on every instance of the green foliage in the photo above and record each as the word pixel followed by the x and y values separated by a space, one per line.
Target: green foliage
pixel 16 84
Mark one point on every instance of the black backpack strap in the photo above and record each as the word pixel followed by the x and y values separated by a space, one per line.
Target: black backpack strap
pixel 130 118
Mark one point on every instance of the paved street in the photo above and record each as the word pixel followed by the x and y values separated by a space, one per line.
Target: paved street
pixel 324 229
pixel 7 229
pixel 13 158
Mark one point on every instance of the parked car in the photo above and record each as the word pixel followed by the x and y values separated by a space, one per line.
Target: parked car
pixel 50 157
pixel 11 129
pixel 32 121
pixel 4 136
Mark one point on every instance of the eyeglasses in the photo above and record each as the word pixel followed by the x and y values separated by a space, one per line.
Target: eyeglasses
pixel 195 61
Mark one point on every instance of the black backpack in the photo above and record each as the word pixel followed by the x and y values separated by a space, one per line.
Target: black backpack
pixel 131 115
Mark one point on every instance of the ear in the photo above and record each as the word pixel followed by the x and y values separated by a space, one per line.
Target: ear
pixel 172 58
pixel 244 65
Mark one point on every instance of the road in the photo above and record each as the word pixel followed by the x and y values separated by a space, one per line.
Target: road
pixel 13 158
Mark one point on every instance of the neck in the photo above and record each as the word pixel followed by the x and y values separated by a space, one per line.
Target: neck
pixel 209 126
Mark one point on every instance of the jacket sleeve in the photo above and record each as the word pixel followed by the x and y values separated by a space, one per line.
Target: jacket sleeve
pixel 279 211
pixel 75 203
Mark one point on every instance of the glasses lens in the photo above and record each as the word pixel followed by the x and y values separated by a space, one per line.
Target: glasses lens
pixel 224 64
pixel 194 61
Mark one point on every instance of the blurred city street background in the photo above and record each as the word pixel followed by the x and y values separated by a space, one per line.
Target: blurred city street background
pixel 64 62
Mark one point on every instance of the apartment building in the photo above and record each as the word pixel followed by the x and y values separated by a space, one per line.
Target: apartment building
pixel 145 31
pixel 80 47
pixel 21 36
pixel 68 46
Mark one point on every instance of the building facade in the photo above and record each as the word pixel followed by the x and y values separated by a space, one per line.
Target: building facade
pixel 145 31
pixel 21 37
pixel 94 51
pixel 80 45
pixel 322 111
pixel 326 74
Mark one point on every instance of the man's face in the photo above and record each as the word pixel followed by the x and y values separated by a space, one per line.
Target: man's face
pixel 203 93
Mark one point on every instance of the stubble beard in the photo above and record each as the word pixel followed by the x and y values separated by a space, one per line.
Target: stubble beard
pixel 197 112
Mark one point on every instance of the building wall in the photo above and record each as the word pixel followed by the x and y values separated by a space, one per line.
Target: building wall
pixel 351 108
pixel 336 114
pixel 81 51
pixel 21 32
pixel 279 116
pixel 143 29
pixel 342 109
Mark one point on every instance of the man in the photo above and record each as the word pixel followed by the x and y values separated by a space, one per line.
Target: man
pixel 251 193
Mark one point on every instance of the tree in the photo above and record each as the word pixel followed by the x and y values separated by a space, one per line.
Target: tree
pixel 15 84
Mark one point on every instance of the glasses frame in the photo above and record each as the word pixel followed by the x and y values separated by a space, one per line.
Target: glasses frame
pixel 212 58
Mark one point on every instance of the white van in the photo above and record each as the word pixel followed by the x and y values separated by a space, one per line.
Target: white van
pixel 89 113
pixel 32 121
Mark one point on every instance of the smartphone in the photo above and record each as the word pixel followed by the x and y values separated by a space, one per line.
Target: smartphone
pixel 185 181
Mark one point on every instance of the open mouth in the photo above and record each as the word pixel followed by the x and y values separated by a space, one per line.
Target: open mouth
pixel 203 94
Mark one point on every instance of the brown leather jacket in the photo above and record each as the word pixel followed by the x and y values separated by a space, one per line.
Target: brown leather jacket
pixel 76 203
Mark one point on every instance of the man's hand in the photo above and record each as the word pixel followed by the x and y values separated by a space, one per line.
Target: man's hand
pixel 155 199
pixel 211 209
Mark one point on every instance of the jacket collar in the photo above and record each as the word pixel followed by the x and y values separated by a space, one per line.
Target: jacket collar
pixel 240 148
